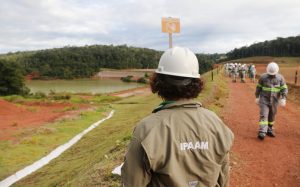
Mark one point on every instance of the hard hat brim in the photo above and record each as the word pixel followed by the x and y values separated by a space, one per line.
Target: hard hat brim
pixel 177 74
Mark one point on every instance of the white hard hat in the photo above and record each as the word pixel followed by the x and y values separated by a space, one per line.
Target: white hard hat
pixel 179 61
pixel 272 68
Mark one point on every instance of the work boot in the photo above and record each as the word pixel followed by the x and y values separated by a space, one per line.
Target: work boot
pixel 261 135
pixel 270 132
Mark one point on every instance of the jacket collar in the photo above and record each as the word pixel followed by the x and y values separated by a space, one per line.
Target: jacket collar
pixel 187 103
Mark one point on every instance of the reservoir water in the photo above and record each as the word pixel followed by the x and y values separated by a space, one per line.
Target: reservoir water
pixel 80 85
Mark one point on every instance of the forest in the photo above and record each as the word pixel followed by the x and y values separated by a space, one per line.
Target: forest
pixel 79 62
pixel 11 79
pixel 280 47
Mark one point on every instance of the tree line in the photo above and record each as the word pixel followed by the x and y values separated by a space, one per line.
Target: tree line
pixel 80 62
pixel 279 47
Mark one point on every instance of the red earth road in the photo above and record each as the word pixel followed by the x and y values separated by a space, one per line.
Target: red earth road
pixel 271 162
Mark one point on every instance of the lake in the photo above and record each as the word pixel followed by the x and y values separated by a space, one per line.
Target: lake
pixel 79 86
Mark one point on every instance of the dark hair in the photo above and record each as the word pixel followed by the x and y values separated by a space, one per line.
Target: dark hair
pixel 174 88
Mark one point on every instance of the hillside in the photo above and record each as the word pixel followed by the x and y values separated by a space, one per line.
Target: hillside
pixel 279 47
pixel 86 61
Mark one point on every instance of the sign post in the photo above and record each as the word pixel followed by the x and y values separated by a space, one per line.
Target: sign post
pixel 170 40
pixel 170 25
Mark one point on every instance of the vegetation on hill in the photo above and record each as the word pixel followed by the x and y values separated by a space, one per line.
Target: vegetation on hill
pixel 279 47
pixel 11 79
pixel 79 62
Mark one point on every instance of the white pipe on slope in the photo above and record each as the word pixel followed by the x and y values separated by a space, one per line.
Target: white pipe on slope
pixel 45 160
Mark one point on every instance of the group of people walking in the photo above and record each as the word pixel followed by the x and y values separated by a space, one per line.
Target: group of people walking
pixel 238 70
pixel 271 90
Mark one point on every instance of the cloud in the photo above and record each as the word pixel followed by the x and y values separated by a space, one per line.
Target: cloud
pixel 206 25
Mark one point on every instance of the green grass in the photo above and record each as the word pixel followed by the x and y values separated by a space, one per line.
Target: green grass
pixel 91 160
pixel 73 165
pixel 215 92
pixel 34 143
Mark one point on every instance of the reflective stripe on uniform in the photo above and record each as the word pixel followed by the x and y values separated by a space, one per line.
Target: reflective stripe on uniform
pixel 271 123
pixel 277 89
pixel 271 89
pixel 283 87
pixel 263 122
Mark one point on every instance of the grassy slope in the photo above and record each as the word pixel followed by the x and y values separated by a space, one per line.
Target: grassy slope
pixel 39 142
pixel 91 160
pixel 33 143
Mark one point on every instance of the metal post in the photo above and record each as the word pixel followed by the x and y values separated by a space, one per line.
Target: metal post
pixel 296 77
pixel 170 40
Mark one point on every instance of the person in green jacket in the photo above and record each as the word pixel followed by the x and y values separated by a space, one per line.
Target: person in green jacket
pixel 181 143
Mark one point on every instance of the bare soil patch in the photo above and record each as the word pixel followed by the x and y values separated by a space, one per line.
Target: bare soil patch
pixel 133 92
pixel 14 117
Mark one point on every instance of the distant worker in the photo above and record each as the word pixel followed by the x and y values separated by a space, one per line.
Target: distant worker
pixel 271 90
pixel 230 69
pixel 252 73
pixel 180 143
pixel 234 72
pixel 249 70
pixel 226 69
pixel 242 72
pixel 246 71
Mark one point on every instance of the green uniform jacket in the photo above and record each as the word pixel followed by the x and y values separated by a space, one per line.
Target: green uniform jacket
pixel 181 145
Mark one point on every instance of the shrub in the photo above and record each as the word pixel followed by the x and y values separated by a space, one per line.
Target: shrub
pixel 142 80
pixel 61 96
pixel 39 95
pixel 11 79
pixel 127 79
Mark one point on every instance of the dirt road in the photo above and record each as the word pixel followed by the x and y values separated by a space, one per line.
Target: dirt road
pixel 271 162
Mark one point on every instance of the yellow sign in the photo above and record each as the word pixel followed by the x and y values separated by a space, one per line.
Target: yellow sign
pixel 170 25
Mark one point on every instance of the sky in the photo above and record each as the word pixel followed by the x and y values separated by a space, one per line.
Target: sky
pixel 207 26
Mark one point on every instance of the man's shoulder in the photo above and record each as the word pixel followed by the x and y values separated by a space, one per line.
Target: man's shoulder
pixel 148 123
pixel 208 113
pixel 279 76
pixel 218 127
